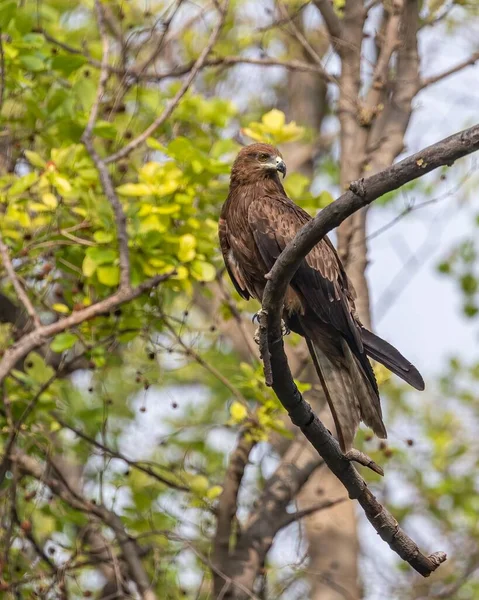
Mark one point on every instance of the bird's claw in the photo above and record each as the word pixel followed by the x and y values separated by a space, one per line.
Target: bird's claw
pixel 256 317
pixel 285 330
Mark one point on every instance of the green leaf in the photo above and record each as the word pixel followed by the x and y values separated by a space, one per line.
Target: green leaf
pixel 32 63
pixel 108 275
pixel 35 159
pixel 103 237
pixel 63 341
pixel 22 184
pixel 68 63
pixel 7 12
pixel 274 119
pixel 203 271
pixel 187 248
pixel 62 185
pixel 60 308
pixel 134 189
pixel 50 200
pixel 88 266
pixel 101 256
pixel 105 130
pixel 238 412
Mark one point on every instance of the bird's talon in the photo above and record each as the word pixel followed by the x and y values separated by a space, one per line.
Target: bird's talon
pixel 285 330
pixel 256 316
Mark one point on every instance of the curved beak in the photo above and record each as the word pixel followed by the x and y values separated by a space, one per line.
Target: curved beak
pixel 281 166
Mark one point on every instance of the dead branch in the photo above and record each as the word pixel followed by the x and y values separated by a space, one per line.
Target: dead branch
pixel 360 194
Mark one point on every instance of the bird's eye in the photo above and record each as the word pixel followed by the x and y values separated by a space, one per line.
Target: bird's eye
pixel 263 157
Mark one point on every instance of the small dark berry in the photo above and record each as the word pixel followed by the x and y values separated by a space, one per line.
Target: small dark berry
pixel 90 389
pixel 151 356
pixel 410 442
pixel 174 405
pixel 128 135
pixel 142 408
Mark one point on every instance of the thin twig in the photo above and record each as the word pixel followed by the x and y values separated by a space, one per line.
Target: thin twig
pixel 114 453
pixel 22 295
pixel 306 512
pixel 173 103
pixel 201 361
pixel 426 81
pixel 105 177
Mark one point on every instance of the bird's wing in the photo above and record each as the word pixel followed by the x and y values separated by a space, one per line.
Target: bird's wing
pixel 233 271
pixel 320 279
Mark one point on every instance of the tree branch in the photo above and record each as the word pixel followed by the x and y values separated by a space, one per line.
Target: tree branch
pixel 22 295
pixel 39 336
pixel 360 194
pixel 426 81
pixel 173 103
pixel 60 487
pixel 105 178
pixel 306 512
pixel 330 18
pixel 228 501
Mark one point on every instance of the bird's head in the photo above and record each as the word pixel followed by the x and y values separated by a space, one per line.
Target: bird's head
pixel 257 162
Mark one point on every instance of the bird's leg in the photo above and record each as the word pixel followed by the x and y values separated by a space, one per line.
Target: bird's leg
pixel 257 317
pixel 285 330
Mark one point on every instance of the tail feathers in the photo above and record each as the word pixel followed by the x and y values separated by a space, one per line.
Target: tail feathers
pixel 368 396
pixel 349 393
pixel 381 351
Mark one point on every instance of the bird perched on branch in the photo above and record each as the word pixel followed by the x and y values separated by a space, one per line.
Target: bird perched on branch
pixel 256 223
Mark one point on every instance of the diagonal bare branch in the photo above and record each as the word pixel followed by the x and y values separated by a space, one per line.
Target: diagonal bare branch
pixel 39 336
pixel 360 194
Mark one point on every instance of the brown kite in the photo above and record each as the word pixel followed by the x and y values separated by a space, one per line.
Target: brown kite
pixel 257 222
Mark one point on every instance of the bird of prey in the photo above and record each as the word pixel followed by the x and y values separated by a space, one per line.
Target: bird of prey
pixel 257 221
